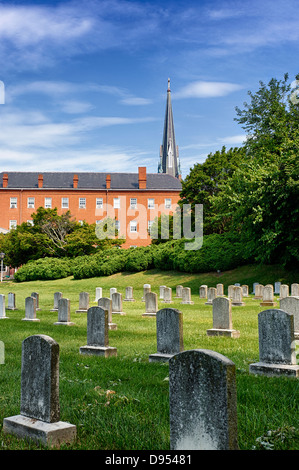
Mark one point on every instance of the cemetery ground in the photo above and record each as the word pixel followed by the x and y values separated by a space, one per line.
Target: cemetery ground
pixel 122 403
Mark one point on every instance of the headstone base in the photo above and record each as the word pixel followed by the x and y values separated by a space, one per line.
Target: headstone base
pixel 167 301
pixel 188 302
pixel 67 323
pixel 49 434
pixel 54 310
pixel 81 311
pixel 3 317
pixel 30 319
pixel 268 304
pixel 209 303
pixel 238 304
pixel 98 351
pixel 128 300
pixel 118 313
pixel 149 314
pixel 112 326
pixel 271 370
pixel 11 308
pixel 223 332
pixel 159 357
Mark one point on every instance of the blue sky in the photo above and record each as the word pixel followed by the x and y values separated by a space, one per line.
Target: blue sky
pixel 85 82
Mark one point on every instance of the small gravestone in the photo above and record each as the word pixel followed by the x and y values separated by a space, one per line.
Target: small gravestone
pixel 161 292
pixel 277 355
pixel 11 301
pixel 36 296
pixel 245 290
pixel 259 291
pixel 202 401
pixel 99 293
pixel 97 334
pixel 146 289
pixel 83 302
pixel 230 290
pixel 178 292
pixel 169 323
pixel 186 296
pixel 212 293
pixel 284 291
pixel 291 306
pixel 64 312
pixel 112 291
pixel 106 304
pixel 30 309
pixel 277 287
pixel 57 297
pixel 237 298
pixel 167 295
pixel 295 290
pixel 2 307
pixel 254 286
pixel 117 303
pixel 151 304
pixel 219 290
pixel 268 296
pixel 203 291
pixel 39 417
pixel 222 319
pixel 129 295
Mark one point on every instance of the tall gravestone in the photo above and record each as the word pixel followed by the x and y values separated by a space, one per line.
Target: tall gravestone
pixel 203 291
pixel 254 286
pixel 57 297
pixel 237 298
pixel 167 295
pixel 169 323
pixel 259 291
pixel 186 296
pixel 99 293
pixel 97 334
pixel 230 290
pixel 268 296
pixel 295 290
pixel 39 417
pixel 277 355
pixel 245 290
pixel 64 312
pixel 151 304
pixel 36 296
pixel 11 301
pixel 83 302
pixel 222 319
pixel 277 285
pixel 291 306
pixel 178 292
pixel 212 294
pixel 219 290
pixel 117 303
pixel 106 304
pixel 112 291
pixel 161 292
pixel 129 294
pixel 146 289
pixel 202 401
pixel 2 307
pixel 30 309
pixel 284 291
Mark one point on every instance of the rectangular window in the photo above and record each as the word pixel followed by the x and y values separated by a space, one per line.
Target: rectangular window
pixel 64 202
pixel 82 203
pixel 30 202
pixel 133 226
pixel 167 203
pixel 12 224
pixel 133 203
pixel 48 202
pixel 99 203
pixel 116 203
pixel 13 202
pixel 151 203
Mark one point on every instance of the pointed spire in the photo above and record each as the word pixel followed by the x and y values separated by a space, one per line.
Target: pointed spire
pixel 169 158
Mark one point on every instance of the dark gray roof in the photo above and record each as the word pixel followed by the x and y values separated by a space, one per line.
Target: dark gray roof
pixel 88 180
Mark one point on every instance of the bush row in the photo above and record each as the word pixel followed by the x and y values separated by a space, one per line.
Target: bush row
pixel 218 252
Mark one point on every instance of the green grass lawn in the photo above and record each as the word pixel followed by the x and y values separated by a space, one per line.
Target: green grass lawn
pixel 122 403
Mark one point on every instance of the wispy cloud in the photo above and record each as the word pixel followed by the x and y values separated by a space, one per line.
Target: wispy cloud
pixel 204 89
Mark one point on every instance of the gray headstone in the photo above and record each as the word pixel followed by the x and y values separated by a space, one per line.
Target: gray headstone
pixel 237 297
pixel 178 291
pixel 117 303
pixel 2 307
pixel 284 291
pixel 294 290
pixel 39 417
pixel 161 292
pixel 97 334
pixel 146 289
pixel 222 319
pixel 212 293
pixel 129 294
pixel 268 296
pixel 167 295
pixel 57 297
pixel 36 296
pixel 151 304
pixel 259 291
pixel 11 301
pixel 254 286
pixel 186 296
pixel 106 304
pixel 219 290
pixel 64 312
pixel 202 401
pixel 112 291
pixel 277 354
pixel 230 291
pixel 83 302
pixel 203 291
pixel 99 293
pixel 169 323
pixel 245 290
pixel 291 305
pixel 277 287
pixel 30 309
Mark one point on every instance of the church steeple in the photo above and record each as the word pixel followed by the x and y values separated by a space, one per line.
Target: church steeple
pixel 169 151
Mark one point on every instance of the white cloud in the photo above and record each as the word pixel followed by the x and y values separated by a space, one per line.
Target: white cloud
pixel 204 89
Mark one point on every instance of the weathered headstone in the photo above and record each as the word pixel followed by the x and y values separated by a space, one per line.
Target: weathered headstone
pixel 245 290
pixel 30 309
pixel 178 292
pixel 277 354
pixel 129 295
pixel 169 323
pixel 83 302
pixel 237 298
pixel 277 287
pixel 230 290
pixel 268 296
pixel 64 312
pixel 222 319
pixel 151 304
pixel 161 292
pixel 112 291
pixel 36 296
pixel 186 296
pixel 291 306
pixel 11 301
pixel 202 401
pixel 254 286
pixel 97 334
pixel 203 291
pixel 106 304
pixel 295 290
pixel 57 297
pixel 146 288
pixel 219 290
pixel 259 291
pixel 39 417
pixel 212 293
pixel 2 307
pixel 99 293
pixel 117 303
pixel 167 295
pixel 284 291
